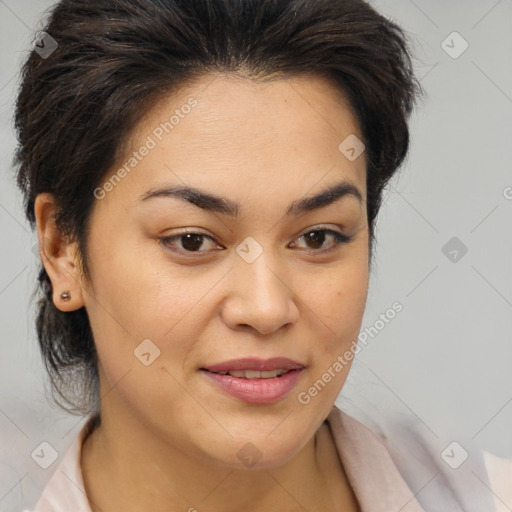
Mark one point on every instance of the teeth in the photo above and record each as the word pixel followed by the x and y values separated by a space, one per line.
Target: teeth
pixel 254 374
pixel 272 373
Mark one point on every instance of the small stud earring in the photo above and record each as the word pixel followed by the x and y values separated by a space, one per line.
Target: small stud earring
pixel 65 296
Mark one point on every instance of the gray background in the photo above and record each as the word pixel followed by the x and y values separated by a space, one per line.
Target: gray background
pixel 440 371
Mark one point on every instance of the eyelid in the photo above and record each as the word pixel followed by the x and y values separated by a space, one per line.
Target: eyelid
pixel 316 227
pixel 339 240
pixel 181 252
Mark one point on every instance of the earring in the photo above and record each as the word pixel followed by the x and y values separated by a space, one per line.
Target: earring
pixel 65 296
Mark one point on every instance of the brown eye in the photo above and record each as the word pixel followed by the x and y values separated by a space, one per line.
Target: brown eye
pixel 315 239
pixel 190 242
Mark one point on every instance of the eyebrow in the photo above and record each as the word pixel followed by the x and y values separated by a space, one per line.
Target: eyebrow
pixel 210 202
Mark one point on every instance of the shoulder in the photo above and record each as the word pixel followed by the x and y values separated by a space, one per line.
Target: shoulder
pixel 65 490
pixel 374 477
pixel 412 465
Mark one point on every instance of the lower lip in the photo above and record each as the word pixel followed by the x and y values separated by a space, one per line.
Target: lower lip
pixel 256 391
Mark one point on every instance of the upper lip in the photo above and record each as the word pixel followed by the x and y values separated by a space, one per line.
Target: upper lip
pixel 262 365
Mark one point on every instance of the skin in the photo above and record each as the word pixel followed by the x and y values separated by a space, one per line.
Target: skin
pixel 169 438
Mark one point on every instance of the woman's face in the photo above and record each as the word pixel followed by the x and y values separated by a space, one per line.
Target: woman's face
pixel 257 280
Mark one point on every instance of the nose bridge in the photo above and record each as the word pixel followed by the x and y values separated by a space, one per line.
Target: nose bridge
pixel 261 296
pixel 259 276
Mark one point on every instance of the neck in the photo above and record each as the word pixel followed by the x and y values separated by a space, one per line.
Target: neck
pixel 126 467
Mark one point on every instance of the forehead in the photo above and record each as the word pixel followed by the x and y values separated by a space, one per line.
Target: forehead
pixel 234 135
pixel 229 104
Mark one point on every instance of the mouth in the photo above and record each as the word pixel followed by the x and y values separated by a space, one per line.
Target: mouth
pixel 255 365
pixel 254 374
pixel 254 380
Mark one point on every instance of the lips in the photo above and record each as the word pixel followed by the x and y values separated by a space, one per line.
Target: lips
pixel 260 365
pixel 255 380
pixel 254 374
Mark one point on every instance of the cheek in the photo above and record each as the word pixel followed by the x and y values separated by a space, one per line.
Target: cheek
pixel 338 302
pixel 135 292
pixel 140 298
pixel 339 298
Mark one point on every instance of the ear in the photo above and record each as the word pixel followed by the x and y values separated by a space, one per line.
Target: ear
pixel 59 256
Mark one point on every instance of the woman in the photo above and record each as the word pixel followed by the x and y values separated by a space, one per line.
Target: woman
pixel 205 177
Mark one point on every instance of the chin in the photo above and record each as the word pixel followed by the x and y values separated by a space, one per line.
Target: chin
pixel 258 452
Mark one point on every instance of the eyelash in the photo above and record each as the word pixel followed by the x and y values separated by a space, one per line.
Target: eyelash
pixel 339 239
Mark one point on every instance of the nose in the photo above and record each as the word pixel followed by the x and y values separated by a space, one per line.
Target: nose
pixel 260 297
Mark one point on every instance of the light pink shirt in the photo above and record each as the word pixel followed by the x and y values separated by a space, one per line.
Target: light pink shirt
pixel 375 479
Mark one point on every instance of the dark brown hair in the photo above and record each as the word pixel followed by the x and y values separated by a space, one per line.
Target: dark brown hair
pixel 115 58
